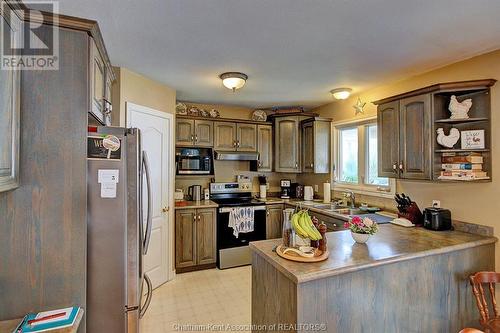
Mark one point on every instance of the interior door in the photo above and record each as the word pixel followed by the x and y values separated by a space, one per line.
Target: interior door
pixel 156 131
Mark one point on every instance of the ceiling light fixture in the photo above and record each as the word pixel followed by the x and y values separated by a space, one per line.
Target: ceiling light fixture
pixel 341 93
pixel 233 80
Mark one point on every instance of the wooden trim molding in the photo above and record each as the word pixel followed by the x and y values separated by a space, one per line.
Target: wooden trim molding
pixel 473 84
pixel 68 22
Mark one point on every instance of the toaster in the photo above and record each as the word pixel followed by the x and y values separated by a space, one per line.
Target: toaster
pixel 437 219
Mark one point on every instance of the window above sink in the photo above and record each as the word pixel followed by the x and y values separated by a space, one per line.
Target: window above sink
pixel 356 159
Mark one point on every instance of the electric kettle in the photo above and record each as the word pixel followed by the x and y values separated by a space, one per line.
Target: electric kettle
pixel 194 192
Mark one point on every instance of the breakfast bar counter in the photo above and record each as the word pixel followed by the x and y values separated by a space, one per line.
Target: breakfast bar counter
pixel 401 280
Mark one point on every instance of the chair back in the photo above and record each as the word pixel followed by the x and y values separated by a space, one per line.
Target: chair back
pixel 477 280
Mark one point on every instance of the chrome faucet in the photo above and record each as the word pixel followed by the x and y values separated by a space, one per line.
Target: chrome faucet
pixel 352 196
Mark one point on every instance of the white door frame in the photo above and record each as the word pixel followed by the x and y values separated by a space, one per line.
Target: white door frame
pixel 171 174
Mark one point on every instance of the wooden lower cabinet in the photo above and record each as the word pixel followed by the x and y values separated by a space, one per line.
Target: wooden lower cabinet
pixel 195 238
pixel 205 236
pixel 274 221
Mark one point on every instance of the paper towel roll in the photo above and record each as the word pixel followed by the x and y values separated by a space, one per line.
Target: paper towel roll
pixel 327 194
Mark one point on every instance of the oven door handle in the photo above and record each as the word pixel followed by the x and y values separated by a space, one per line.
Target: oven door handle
pixel 228 209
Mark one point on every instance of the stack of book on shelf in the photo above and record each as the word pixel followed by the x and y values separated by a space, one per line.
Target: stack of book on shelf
pixel 462 166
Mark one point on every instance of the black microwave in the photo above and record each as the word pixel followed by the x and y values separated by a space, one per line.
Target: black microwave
pixel 194 161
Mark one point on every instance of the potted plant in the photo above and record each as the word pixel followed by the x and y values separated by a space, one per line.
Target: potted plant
pixel 361 228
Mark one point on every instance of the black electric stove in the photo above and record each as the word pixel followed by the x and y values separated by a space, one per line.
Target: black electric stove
pixel 233 251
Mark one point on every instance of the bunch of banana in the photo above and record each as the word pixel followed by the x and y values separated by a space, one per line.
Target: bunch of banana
pixel 303 226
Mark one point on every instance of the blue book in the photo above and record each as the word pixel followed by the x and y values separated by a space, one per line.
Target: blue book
pixel 54 319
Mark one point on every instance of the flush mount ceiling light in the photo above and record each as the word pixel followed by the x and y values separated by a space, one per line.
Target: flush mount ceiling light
pixel 341 93
pixel 233 80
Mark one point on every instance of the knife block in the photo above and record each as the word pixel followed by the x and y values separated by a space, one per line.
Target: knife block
pixel 413 214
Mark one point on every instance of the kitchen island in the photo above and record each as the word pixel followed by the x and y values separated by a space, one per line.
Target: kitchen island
pixel 401 280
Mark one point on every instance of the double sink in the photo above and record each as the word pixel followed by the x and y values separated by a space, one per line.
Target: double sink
pixel 342 210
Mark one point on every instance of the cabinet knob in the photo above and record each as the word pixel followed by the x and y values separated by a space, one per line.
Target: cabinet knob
pixel 296 165
pixel 234 143
pixel 165 209
pixel 237 143
pixel 192 137
pixel 199 217
pixel 196 138
pixel 401 165
pixel 260 164
pixel 395 167
pixel 267 212
pixel 312 165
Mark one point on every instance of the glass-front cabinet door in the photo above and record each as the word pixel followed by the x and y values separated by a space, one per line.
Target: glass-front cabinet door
pixel 9 117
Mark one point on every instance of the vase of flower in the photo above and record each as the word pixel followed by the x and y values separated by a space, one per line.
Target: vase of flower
pixel 361 228
pixel 360 238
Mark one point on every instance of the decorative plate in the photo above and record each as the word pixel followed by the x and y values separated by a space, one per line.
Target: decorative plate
pixel 181 108
pixel 204 113
pixel 259 115
pixel 214 113
pixel 193 111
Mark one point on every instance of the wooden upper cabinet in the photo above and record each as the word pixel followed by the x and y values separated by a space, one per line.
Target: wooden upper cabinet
pixel 404 136
pixel 184 132
pixel 388 139
pixel 225 136
pixel 185 238
pixel 97 83
pixel 415 137
pixel 204 133
pixel 206 233
pixel 307 147
pixel 287 144
pixel 246 137
pixel 190 132
pixel 265 148
pixel 316 141
pixel 274 221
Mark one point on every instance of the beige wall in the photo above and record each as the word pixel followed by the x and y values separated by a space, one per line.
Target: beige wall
pixel 132 87
pixel 476 203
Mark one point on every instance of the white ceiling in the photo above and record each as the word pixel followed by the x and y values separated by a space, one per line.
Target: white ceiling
pixel 294 51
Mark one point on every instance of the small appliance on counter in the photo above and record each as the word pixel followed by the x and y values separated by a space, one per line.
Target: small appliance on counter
pixel 299 191
pixel 437 219
pixel 178 194
pixel 194 192
pixel 285 185
pixel 308 193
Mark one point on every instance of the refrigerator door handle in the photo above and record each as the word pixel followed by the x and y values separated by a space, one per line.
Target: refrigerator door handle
pixel 149 220
pixel 144 307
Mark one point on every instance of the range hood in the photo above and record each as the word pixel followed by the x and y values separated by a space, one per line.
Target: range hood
pixel 236 156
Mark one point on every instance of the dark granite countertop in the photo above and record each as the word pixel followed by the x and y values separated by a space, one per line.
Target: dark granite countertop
pixel 391 244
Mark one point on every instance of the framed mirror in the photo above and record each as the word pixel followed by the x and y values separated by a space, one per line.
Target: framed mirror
pixel 9 114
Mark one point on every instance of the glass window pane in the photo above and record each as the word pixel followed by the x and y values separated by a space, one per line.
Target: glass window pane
pixel 372 161
pixel 348 155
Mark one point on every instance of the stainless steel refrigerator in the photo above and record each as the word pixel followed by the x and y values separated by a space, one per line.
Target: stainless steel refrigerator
pixel 118 231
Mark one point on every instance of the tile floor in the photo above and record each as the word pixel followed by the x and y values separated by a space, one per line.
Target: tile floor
pixel 209 297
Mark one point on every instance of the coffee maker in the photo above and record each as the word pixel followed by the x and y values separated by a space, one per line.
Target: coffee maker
pixel 285 185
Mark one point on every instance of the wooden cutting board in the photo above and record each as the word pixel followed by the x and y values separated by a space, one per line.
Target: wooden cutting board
pixel 318 255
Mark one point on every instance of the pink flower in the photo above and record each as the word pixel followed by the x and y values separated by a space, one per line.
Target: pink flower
pixel 346 225
pixel 357 220
pixel 368 222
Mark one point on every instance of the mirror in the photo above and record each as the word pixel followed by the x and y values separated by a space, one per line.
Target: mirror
pixel 9 123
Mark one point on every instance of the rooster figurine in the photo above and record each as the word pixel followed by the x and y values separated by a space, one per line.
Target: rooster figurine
pixel 449 140
pixel 458 109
